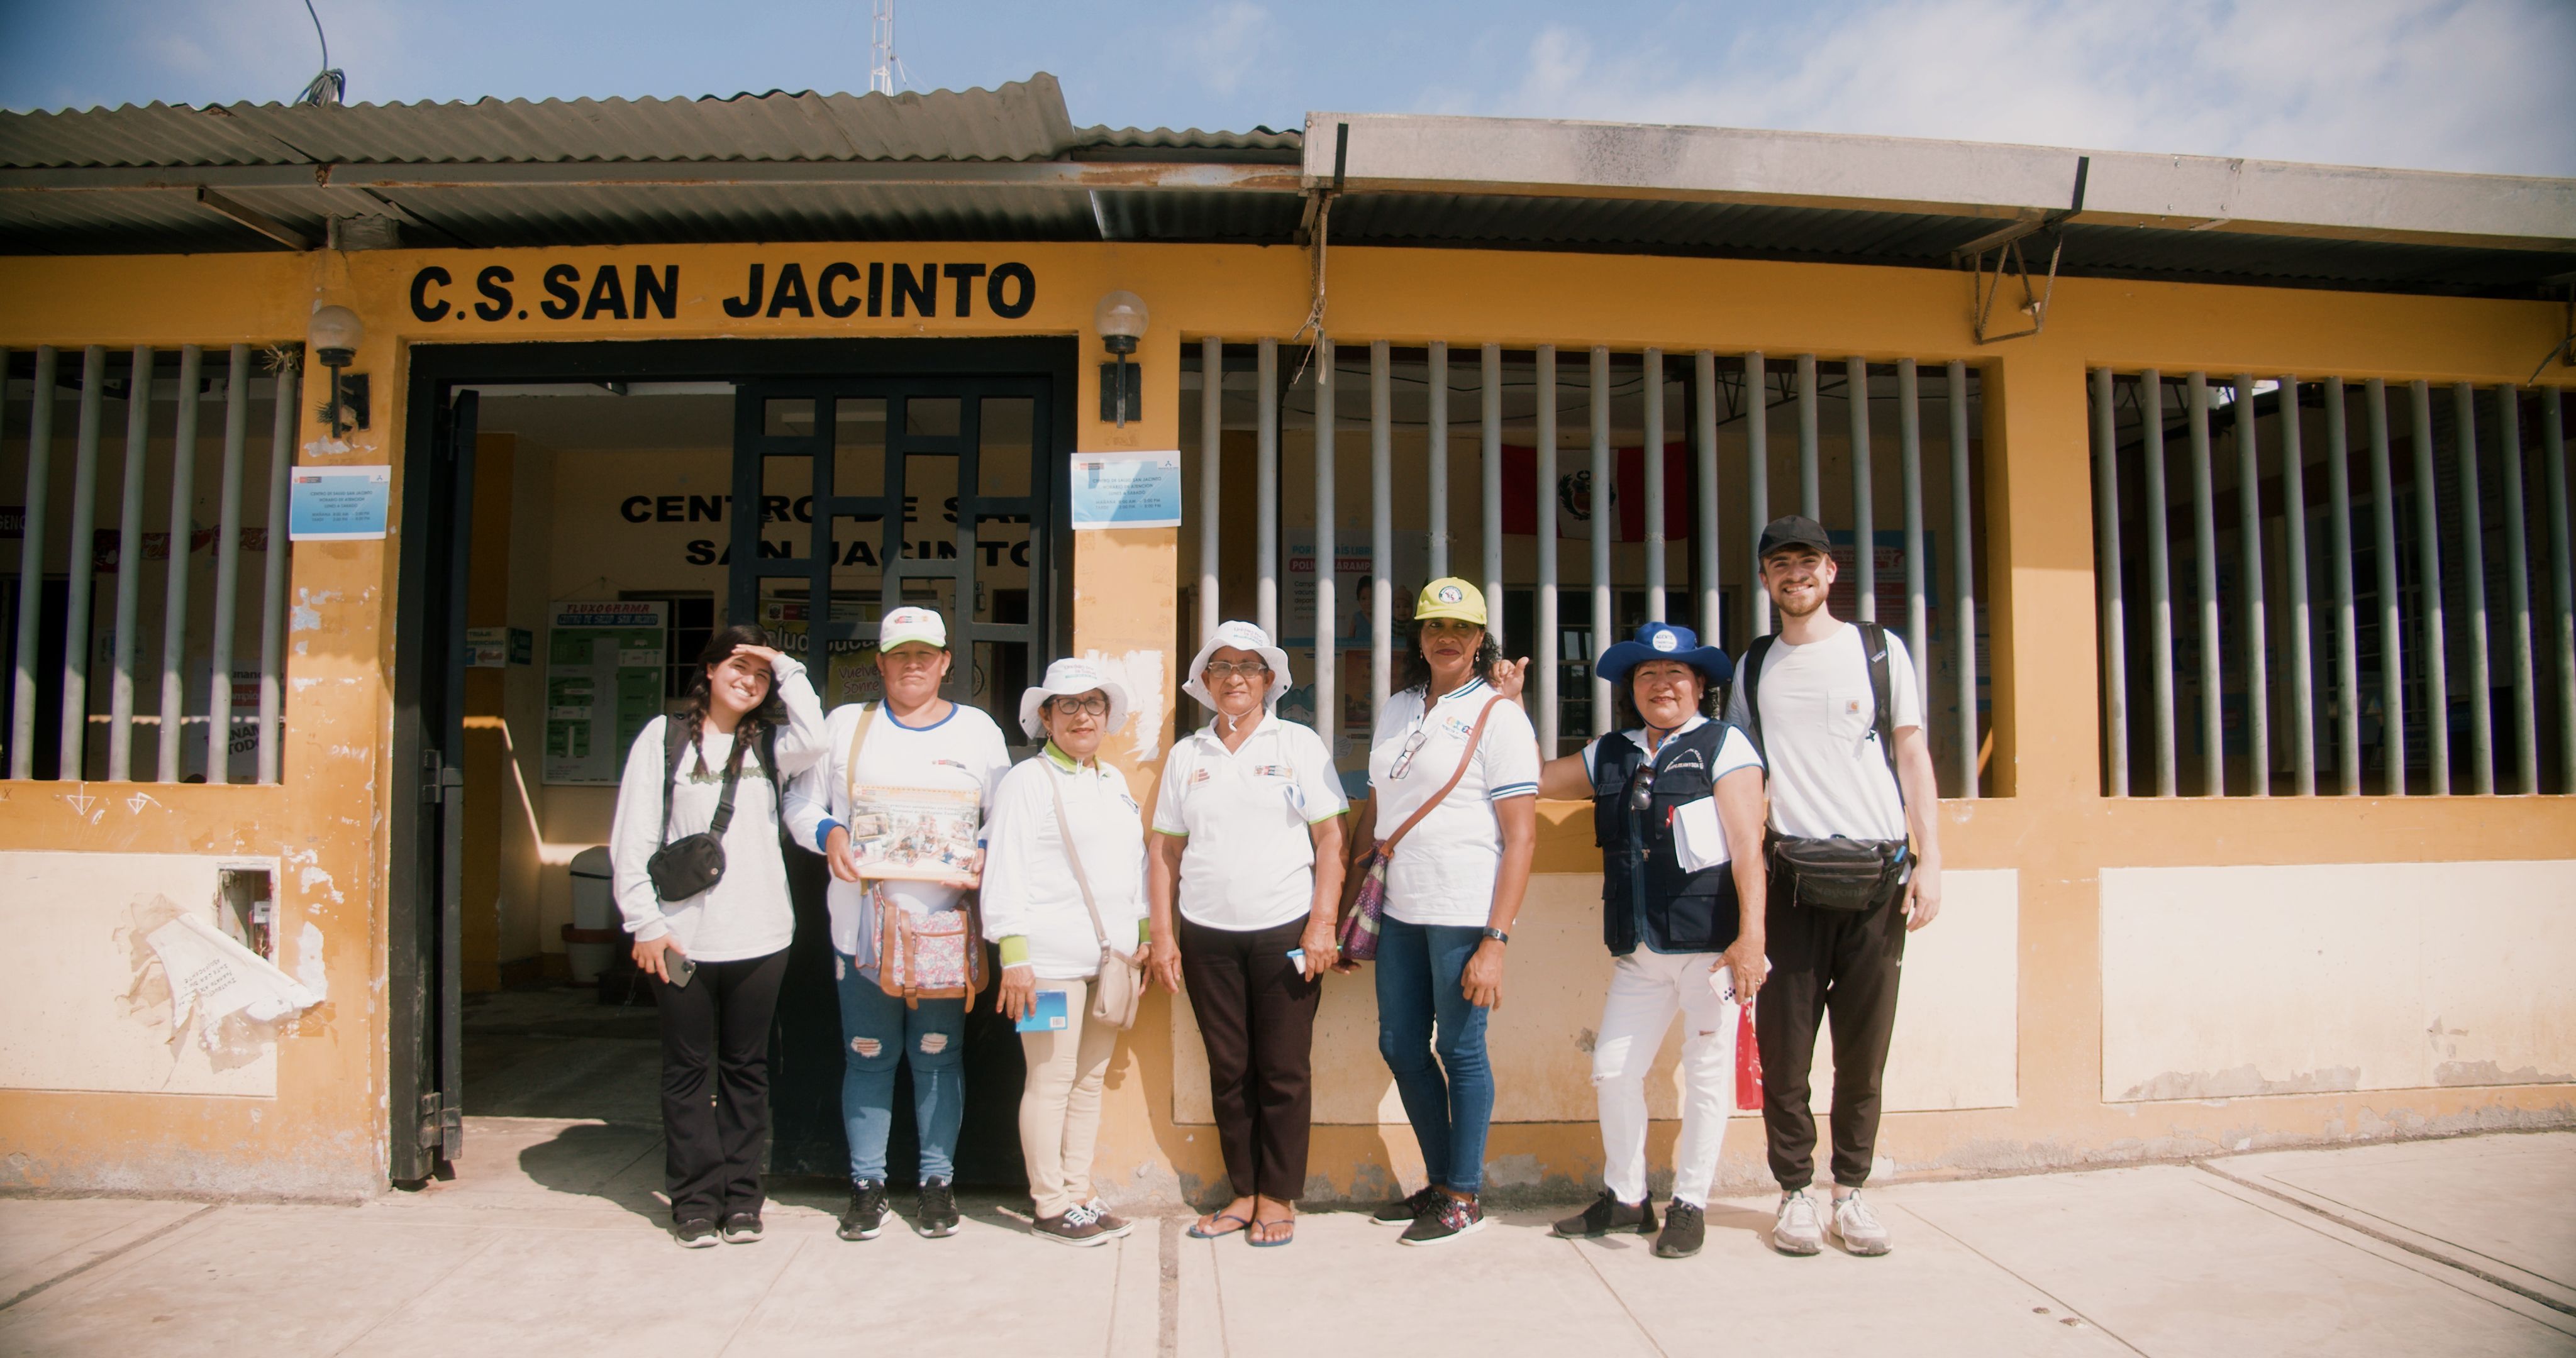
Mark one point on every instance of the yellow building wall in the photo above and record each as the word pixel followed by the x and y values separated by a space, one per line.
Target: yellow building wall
pixel 2057 886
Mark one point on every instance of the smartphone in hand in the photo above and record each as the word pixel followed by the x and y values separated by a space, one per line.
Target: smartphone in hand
pixel 677 963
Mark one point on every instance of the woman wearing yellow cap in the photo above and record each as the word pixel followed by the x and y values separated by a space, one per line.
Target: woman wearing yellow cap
pixel 1453 786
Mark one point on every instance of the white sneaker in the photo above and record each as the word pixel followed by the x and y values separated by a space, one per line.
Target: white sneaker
pixel 1859 1227
pixel 1796 1230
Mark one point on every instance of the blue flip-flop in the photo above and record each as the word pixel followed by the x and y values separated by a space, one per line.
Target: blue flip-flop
pixel 1242 1224
pixel 1276 1241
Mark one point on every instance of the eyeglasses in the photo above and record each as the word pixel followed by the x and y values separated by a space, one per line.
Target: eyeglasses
pixel 1219 671
pixel 1097 704
pixel 1404 757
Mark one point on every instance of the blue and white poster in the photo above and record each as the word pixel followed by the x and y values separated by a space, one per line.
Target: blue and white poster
pixel 339 504
pixel 1127 490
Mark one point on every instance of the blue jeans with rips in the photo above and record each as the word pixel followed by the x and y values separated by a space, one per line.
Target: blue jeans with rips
pixel 1434 1042
pixel 878 1030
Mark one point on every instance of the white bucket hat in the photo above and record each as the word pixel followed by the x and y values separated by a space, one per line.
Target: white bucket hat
pixel 1071 675
pixel 1242 636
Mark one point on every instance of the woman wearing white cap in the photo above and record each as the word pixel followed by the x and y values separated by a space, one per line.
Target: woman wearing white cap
pixel 1064 897
pixel 914 739
pixel 1247 854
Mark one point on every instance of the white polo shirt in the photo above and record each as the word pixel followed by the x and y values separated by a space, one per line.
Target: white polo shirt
pixel 1443 872
pixel 1250 860
pixel 962 751
pixel 1820 740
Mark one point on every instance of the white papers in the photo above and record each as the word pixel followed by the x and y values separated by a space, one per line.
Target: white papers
pixel 1699 840
pixel 213 977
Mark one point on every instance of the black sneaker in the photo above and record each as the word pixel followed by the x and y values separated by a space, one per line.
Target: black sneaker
pixel 1111 1224
pixel 936 1214
pixel 1447 1220
pixel 1607 1214
pixel 1075 1227
pixel 741 1228
pixel 1685 1230
pixel 696 1233
pixel 1403 1212
pixel 867 1212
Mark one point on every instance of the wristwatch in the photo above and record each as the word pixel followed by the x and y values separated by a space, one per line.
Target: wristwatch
pixel 1496 934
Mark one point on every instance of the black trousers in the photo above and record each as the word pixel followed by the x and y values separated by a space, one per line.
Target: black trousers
pixel 1842 964
pixel 1256 1010
pixel 715 1085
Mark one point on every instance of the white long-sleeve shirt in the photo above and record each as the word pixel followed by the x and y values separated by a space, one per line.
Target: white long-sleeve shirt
pixel 1029 887
pixel 962 751
pixel 748 913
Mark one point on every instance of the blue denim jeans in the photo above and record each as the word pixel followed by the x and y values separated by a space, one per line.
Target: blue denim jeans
pixel 878 1030
pixel 1422 1012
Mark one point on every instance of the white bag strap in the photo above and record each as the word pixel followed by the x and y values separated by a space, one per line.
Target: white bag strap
pixel 1081 879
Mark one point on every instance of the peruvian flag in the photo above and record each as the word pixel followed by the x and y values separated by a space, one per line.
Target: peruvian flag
pixel 1575 496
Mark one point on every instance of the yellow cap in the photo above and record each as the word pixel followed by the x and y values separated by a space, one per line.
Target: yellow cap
pixel 1451 597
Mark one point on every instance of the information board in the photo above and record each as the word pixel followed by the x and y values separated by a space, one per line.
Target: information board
pixel 603 683
pixel 1127 490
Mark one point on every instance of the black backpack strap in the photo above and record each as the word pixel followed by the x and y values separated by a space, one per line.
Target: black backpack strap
pixel 675 738
pixel 1873 641
pixel 1749 674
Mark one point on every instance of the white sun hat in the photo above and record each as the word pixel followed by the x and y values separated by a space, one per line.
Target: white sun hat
pixel 1242 636
pixel 1071 675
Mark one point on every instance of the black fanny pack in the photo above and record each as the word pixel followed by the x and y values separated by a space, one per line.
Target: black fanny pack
pixel 693 863
pixel 1838 873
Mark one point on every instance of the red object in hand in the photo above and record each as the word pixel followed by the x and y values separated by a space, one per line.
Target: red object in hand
pixel 1748 1063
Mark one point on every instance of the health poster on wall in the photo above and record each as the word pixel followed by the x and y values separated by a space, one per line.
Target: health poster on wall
pixel 603 683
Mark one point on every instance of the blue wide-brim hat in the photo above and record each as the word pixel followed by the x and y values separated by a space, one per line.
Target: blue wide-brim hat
pixel 1663 641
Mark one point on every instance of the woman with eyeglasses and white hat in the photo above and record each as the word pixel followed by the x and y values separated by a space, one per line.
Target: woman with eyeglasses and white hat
pixel 1244 875
pixel 1064 897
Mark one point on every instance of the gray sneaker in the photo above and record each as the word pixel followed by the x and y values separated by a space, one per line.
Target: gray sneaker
pixel 1860 1229
pixel 1796 1230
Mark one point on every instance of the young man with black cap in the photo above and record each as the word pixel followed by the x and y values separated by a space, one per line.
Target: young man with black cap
pixel 1838 715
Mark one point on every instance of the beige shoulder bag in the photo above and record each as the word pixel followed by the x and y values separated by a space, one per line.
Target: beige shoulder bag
pixel 1121 984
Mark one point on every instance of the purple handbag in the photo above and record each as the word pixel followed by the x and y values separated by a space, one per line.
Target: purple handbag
pixel 1364 901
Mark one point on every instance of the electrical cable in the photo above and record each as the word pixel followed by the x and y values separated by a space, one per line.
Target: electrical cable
pixel 329 86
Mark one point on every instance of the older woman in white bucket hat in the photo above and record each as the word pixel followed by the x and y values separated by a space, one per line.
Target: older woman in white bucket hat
pixel 1244 874
pixel 1064 897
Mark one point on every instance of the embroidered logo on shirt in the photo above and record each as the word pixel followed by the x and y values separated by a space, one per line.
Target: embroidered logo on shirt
pixel 1202 775
pixel 1851 707
pixel 950 763
pixel 1273 771
pixel 1457 726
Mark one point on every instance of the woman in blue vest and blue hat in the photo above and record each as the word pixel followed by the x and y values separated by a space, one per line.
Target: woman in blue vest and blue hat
pixel 1677 807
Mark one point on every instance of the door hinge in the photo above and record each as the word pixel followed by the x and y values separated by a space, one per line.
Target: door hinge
pixel 433 1122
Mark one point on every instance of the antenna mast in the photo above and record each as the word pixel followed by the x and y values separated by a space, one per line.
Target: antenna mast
pixel 881 58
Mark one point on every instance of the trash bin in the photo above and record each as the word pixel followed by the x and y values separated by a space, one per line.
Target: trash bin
pixel 590 941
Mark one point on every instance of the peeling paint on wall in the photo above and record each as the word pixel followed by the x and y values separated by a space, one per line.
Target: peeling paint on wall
pixel 2244 1082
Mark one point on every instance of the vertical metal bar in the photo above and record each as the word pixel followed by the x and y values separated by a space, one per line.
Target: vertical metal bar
pixel 79 552
pixel 2160 657
pixel 1544 501
pixel 2553 453
pixel 129 565
pixel 31 558
pixel 2249 555
pixel 1266 471
pixel 1605 530
pixel 1211 472
pixel 2383 494
pixel 1864 493
pixel 2106 568
pixel 1918 607
pixel 2428 573
pixel 2473 572
pixel 1328 713
pixel 1381 601
pixel 1704 434
pixel 1489 421
pixel 174 597
pixel 2294 523
pixel 2517 566
pixel 2347 617
pixel 1436 439
pixel 2204 524
pixel 1811 485
pixel 228 536
pixel 1655 538
pixel 1757 487
pixel 272 618
pixel 1963 588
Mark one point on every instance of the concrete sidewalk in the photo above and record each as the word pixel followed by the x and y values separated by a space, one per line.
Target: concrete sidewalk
pixel 2463 1246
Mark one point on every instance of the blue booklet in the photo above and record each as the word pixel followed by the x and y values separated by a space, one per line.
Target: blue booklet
pixel 1046 1016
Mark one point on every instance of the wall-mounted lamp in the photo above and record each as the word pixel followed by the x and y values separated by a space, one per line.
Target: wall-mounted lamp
pixel 334 336
pixel 1121 321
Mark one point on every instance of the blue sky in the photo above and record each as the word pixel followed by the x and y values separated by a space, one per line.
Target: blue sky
pixel 2476 85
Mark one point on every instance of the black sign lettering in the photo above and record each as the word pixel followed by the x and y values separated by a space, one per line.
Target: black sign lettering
pixel 771 288
pixel 834 305
pixel 876 288
pixel 422 308
pixel 702 552
pixel 922 290
pixel 666 508
pixel 776 550
pixel 497 298
pixel 748 304
pixel 662 294
pixel 1014 309
pixel 637 509
pixel 773 508
pixel 791 292
pixel 606 295
pixel 706 509
pixel 965 275
pixel 559 282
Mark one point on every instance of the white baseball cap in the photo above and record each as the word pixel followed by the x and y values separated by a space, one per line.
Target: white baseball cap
pixel 1072 675
pixel 909 623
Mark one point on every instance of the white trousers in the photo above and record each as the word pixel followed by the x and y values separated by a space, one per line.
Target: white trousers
pixel 1645 989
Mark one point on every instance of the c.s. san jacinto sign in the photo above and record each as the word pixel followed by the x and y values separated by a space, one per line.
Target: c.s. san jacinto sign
pixel 771 289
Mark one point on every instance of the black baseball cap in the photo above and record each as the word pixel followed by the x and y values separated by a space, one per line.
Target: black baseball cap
pixel 1793 530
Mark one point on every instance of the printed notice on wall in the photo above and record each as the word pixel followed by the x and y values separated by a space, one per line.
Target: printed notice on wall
pixel 339 504
pixel 1127 490
pixel 603 683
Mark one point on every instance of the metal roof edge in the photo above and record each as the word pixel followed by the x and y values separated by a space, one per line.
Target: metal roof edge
pixel 1441 153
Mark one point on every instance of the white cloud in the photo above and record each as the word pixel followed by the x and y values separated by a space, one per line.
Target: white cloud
pixel 1220 46
pixel 2462 85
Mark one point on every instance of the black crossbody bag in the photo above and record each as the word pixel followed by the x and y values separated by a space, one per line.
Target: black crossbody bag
pixel 1837 873
pixel 686 866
